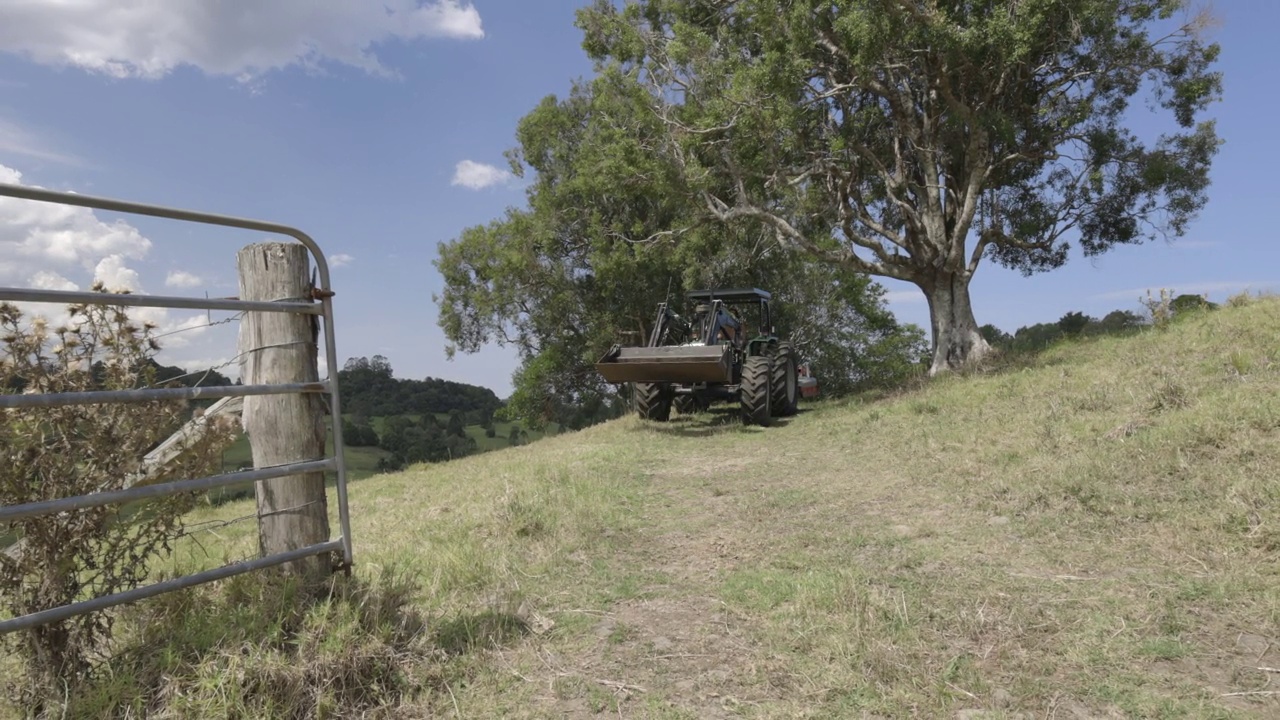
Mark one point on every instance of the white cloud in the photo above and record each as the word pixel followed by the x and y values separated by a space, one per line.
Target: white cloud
pixel 340 260
pixel 176 333
pixel 182 279
pixel 56 247
pixel 149 38
pixel 478 176
pixel 38 236
pixel 115 275
pixel 45 280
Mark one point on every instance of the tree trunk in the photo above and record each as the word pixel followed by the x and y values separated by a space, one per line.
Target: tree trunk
pixel 281 348
pixel 956 340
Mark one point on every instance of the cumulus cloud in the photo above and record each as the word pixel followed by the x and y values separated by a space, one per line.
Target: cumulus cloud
pixel 148 39
pixel 45 237
pixel 340 260
pixel 477 176
pixel 182 279
pixel 115 275
pixel 46 246
pixel 45 280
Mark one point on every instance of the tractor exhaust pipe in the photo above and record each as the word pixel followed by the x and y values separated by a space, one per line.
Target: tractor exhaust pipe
pixel 668 364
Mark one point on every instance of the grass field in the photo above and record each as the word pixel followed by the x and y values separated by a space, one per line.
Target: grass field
pixel 1092 532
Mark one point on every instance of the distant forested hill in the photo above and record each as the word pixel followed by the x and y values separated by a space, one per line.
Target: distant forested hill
pixel 370 389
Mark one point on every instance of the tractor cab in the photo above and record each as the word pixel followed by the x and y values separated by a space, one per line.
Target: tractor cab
pixel 718 315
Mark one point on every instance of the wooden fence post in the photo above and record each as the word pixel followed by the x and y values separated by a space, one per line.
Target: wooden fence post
pixel 282 348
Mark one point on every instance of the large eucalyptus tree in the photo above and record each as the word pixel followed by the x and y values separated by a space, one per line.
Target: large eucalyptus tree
pixel 911 139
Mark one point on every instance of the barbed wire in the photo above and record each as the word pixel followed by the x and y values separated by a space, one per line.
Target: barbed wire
pixel 212 323
pixel 215 524
pixel 227 363
pixel 211 526
pixel 204 373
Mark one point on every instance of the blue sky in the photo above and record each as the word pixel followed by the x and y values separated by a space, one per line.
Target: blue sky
pixel 370 126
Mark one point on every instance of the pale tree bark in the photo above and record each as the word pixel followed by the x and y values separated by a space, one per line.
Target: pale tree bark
pixel 956 339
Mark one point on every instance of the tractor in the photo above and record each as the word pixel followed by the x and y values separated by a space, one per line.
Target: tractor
pixel 712 354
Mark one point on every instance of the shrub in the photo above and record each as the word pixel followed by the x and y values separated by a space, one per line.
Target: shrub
pixel 58 452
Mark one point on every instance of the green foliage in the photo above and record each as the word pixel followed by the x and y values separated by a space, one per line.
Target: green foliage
pixel 609 232
pixel 1189 303
pixel 838 125
pixel 994 336
pixel 456 426
pixel 58 452
pixel 1119 321
pixel 359 433
pixel 412 441
pixel 1074 323
pixel 369 388
pixel 1077 324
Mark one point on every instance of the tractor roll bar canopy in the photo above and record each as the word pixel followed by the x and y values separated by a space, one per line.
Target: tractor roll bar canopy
pixel 731 296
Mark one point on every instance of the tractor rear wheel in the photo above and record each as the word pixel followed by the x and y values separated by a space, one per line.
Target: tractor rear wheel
pixel 653 401
pixel 754 392
pixel 786 381
pixel 691 404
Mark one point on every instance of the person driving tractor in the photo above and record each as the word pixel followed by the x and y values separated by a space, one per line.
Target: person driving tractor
pixel 727 326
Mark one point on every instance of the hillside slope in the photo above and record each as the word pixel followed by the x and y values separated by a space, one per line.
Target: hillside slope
pixel 1092 533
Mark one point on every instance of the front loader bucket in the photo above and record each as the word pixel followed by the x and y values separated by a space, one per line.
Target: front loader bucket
pixel 668 364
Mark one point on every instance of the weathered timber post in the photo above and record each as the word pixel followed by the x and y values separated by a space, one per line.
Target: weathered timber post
pixel 281 348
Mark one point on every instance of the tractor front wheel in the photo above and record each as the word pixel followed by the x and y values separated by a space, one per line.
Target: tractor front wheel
pixel 786 381
pixel 653 401
pixel 755 391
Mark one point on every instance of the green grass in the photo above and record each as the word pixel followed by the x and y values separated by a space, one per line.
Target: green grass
pixel 1090 532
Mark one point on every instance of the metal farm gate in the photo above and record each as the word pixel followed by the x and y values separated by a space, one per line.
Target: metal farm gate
pixel 324 309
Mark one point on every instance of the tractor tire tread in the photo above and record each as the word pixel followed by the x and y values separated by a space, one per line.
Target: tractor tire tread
pixel 754 393
pixel 786 381
pixel 653 401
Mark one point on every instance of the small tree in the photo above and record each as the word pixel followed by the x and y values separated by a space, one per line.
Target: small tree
pixel 359 433
pixel 59 452
pixel 994 336
pixel 1074 323
pixel 1118 321
pixel 456 425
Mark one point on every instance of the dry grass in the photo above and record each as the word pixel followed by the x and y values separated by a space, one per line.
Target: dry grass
pixel 1089 533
